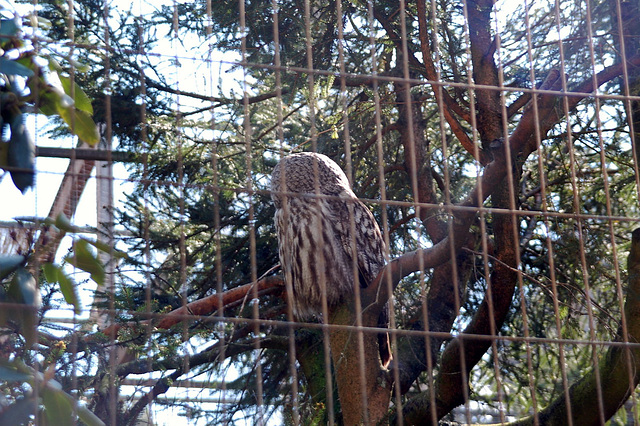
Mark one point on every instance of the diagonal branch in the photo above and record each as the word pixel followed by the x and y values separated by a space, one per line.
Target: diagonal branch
pixel 441 95
pixel 207 305
pixel 428 69
pixel 522 143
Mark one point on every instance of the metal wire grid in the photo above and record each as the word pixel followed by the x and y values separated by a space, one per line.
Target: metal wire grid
pixel 536 118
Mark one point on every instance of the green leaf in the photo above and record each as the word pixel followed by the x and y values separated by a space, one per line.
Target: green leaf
pixel 54 65
pixel 88 417
pixel 57 407
pixel 53 100
pixel 23 289
pixel 69 291
pixel 63 223
pixel 14 68
pixel 55 274
pixel 23 294
pixel 8 27
pixel 9 263
pixel 106 248
pixel 37 21
pixel 82 101
pixel 50 272
pixel 49 99
pixel 79 66
pixel 63 408
pixel 83 259
pixel 10 374
pixel 21 155
pixel 81 124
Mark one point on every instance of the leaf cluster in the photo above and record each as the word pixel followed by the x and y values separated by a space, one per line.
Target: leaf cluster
pixel 26 85
pixel 39 394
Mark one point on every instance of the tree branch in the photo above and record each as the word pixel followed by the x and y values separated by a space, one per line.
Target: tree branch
pixel 441 95
pixel 485 71
pixel 522 143
pixel 207 305
pixel 252 100
pixel 204 357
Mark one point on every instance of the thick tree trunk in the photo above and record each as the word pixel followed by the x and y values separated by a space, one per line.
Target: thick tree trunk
pixel 364 386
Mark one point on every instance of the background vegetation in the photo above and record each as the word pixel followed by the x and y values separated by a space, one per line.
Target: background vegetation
pixel 358 82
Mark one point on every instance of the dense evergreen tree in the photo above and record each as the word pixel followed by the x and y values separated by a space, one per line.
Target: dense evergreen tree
pixel 555 177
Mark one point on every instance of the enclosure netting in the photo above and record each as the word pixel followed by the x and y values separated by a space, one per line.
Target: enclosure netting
pixel 143 278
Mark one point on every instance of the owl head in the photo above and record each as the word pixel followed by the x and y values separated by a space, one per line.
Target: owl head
pixel 307 173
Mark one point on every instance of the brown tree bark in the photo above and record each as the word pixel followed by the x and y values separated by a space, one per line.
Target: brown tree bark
pixel 485 71
pixel 364 386
pixel 522 143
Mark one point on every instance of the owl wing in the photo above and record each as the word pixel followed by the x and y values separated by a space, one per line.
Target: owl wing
pixel 369 255
pixel 369 247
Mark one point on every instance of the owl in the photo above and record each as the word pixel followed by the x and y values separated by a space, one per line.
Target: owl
pixel 316 211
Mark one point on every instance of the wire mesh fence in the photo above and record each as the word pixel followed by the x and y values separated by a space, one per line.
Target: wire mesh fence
pixel 313 212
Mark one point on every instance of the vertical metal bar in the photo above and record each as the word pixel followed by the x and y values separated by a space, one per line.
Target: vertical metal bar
pixel 513 209
pixel 606 185
pixel 280 137
pixel 314 148
pixel 249 192
pixel 219 326
pixel 349 172
pixel 632 133
pixel 383 206
pixel 576 204
pixel 146 219
pixel 475 138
